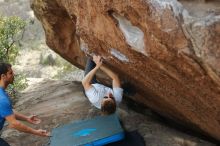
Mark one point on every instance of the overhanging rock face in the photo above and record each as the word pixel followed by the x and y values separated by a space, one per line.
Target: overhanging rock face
pixel 171 57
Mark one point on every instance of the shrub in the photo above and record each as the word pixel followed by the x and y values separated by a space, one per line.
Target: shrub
pixel 11 33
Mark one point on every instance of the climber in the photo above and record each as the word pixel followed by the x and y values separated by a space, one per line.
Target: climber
pixel 6 111
pixel 99 95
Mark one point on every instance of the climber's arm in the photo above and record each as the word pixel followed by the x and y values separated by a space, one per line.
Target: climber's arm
pixel 112 75
pixel 86 82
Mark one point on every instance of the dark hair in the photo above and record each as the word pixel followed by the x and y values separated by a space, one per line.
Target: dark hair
pixel 108 107
pixel 4 67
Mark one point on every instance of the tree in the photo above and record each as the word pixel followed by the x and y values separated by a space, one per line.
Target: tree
pixel 11 33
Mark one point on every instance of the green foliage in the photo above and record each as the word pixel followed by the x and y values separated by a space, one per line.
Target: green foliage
pixel 65 69
pixel 11 32
pixel 48 60
pixel 20 83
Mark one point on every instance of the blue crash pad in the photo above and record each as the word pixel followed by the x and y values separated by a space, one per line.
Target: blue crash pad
pixel 98 131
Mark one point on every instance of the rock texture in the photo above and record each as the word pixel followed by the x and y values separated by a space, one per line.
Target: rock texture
pixel 168 51
pixel 61 102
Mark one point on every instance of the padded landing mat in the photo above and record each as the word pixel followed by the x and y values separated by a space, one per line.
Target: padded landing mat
pixel 93 132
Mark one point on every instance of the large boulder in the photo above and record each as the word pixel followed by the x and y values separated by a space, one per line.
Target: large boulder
pixel 168 54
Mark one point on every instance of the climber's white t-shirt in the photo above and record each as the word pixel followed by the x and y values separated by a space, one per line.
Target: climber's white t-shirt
pixel 98 91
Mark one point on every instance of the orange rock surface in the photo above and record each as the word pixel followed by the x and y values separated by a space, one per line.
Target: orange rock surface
pixel 167 51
